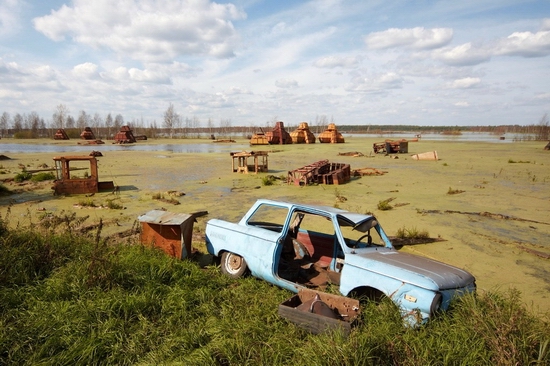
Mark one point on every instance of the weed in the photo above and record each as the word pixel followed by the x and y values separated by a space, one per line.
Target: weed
pixel 511 161
pixel 23 176
pixel 385 204
pixel 87 203
pixel 412 233
pixel 72 300
pixel 445 164
pixel 454 191
pixel 39 177
pixel 268 180
pixel 113 205
pixel 339 196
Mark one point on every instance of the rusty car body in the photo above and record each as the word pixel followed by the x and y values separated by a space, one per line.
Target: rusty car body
pixel 295 246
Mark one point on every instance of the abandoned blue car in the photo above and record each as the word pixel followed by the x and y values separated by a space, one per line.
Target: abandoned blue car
pixel 293 246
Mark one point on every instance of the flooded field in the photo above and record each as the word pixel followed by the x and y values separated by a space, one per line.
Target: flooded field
pixel 489 203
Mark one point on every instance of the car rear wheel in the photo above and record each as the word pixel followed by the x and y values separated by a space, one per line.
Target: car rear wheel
pixel 233 265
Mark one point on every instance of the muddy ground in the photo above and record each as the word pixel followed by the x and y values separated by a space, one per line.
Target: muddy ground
pixel 496 223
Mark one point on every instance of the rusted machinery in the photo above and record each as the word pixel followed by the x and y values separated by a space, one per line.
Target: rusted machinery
pixel 320 172
pixel 279 135
pixel 87 134
pixel 67 184
pixel 302 135
pixel 331 135
pixel 60 134
pixel 124 136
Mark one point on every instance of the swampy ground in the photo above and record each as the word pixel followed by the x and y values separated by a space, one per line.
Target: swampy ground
pixel 487 203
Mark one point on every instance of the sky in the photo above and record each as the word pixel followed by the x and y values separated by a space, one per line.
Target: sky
pixel 253 62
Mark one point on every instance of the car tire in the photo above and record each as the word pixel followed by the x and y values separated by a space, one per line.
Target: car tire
pixel 233 265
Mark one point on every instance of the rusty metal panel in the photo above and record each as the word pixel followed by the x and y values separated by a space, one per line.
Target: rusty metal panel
pixel 319 312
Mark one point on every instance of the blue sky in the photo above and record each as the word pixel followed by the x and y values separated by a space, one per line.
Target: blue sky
pixel 483 62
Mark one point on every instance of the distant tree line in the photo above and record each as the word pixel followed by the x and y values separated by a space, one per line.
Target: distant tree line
pixel 173 125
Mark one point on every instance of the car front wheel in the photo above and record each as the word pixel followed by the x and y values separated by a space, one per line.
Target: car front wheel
pixel 233 265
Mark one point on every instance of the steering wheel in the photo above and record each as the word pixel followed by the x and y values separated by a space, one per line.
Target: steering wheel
pixel 369 240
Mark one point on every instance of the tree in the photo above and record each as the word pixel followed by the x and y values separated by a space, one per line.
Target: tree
pixel 83 121
pixel 17 123
pixel 196 124
pixel 97 121
pixel 543 129
pixel 60 116
pixel 70 123
pixel 34 123
pixel 109 124
pixel 225 126
pixel 171 120
pixel 4 123
pixel 119 122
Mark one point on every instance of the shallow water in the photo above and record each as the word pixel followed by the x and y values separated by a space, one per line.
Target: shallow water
pixel 173 148
pixel 199 148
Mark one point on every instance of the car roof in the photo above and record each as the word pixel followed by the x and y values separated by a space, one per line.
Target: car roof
pixel 353 219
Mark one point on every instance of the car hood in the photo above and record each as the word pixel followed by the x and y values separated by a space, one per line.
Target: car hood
pixel 409 268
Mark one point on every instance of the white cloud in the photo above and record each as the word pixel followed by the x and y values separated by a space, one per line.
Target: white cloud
pixel 331 62
pixel 462 104
pixel 465 83
pixel 418 38
pixel 525 44
pixel 9 16
pixel 545 24
pixel 86 70
pixel 465 54
pixel 286 83
pixel 376 83
pixel 147 29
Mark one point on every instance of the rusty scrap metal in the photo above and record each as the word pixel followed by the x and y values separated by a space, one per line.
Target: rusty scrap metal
pixel 320 172
pixel 76 185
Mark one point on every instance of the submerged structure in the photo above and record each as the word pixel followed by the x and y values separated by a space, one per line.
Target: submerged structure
pixel 302 135
pixel 60 134
pixel 125 136
pixel 87 134
pixel 331 135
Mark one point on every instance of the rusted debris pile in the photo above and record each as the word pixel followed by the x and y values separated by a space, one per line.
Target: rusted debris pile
pixel 547 147
pixel 392 146
pixel 302 135
pixel 318 312
pixel 124 136
pixel 60 134
pixel 367 171
pixel 240 163
pixel 279 136
pixel 87 134
pixel 320 172
pixel 331 135
pixel 351 153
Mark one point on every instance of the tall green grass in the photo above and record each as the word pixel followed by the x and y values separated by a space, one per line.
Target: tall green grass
pixel 79 301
